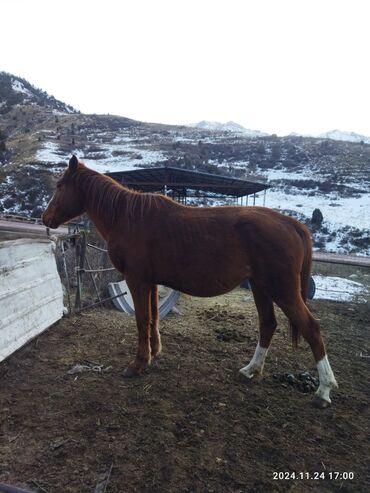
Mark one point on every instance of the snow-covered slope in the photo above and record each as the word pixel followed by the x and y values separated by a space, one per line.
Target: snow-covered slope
pixel 113 153
pixel 346 219
pixel 15 91
pixel 337 209
pixel 228 127
pixel 239 129
pixel 345 136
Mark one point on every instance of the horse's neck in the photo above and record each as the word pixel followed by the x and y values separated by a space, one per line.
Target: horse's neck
pixel 104 202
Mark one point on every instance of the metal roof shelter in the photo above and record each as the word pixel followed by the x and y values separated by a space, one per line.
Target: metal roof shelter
pixel 182 183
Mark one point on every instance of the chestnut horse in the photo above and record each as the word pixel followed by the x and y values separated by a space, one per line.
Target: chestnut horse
pixel 201 251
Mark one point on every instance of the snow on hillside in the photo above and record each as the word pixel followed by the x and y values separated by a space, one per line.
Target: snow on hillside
pixel 345 136
pixel 236 128
pixel 16 92
pixel 344 212
pixel 228 127
pixel 17 86
pixel 135 158
pixel 120 155
pixel 49 153
pixel 341 214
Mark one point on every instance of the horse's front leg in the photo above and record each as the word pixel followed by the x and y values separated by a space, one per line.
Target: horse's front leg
pixel 141 295
pixel 155 337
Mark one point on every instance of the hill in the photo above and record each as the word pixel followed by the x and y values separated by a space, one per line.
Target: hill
pixel 38 134
pixel 16 91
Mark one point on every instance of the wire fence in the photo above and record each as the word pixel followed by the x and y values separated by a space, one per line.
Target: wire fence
pixel 85 270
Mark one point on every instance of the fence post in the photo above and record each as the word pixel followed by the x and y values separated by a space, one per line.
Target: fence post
pixel 67 278
pixel 80 254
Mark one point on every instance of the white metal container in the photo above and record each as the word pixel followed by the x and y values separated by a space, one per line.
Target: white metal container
pixel 31 294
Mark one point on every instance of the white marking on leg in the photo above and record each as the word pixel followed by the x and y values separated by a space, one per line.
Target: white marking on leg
pixel 327 379
pixel 256 364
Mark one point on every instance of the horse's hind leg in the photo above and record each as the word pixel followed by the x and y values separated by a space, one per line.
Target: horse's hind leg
pixel 303 321
pixel 267 326
pixel 155 337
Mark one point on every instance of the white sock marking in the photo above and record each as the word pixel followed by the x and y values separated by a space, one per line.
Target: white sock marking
pixel 327 379
pixel 256 364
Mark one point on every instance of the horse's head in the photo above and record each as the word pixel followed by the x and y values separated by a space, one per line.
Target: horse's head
pixel 66 203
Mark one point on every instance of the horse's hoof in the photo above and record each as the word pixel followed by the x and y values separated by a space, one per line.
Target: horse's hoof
pixel 320 403
pixel 245 377
pixel 130 373
pixel 156 350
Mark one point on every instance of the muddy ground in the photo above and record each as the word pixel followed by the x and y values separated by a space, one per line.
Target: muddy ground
pixel 189 424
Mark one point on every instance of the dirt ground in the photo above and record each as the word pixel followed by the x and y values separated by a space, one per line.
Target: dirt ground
pixel 189 424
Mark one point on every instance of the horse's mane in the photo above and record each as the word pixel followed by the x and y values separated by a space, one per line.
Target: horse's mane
pixel 111 200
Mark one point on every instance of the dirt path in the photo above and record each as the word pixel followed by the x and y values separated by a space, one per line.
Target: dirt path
pixel 189 424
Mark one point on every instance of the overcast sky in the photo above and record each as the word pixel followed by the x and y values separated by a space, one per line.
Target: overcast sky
pixel 279 66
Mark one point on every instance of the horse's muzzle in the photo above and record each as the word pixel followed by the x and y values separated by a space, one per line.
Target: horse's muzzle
pixel 48 221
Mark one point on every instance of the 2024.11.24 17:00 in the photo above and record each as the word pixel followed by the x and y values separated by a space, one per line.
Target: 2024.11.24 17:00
pixel 317 475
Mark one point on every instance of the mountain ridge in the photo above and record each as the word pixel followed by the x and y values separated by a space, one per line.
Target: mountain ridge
pixel 231 126
pixel 344 136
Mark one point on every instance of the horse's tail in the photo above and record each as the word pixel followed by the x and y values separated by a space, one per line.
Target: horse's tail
pixel 305 236
pixel 307 262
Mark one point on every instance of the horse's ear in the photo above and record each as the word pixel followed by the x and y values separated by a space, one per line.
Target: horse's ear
pixel 73 164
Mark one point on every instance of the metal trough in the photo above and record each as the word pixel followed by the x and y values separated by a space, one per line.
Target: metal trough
pixel 123 301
